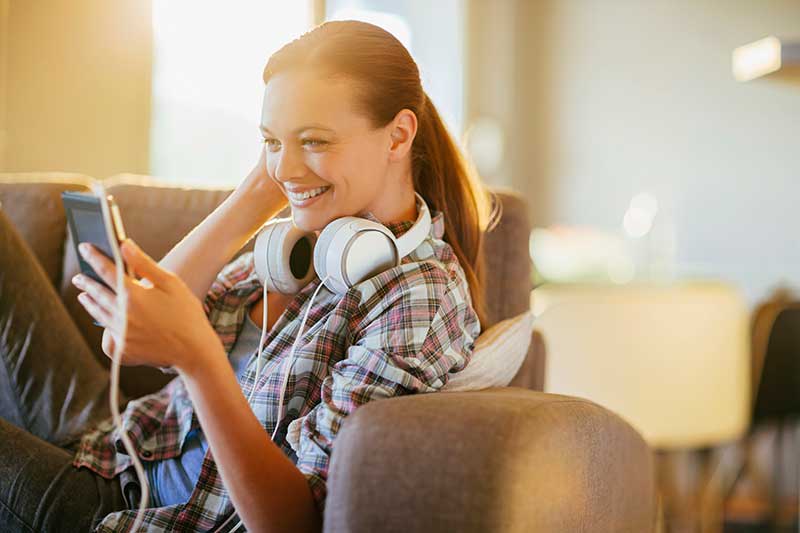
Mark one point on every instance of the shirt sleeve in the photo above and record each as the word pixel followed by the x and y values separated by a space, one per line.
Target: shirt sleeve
pixel 424 328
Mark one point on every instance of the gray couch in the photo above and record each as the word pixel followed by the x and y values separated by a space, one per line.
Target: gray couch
pixel 508 459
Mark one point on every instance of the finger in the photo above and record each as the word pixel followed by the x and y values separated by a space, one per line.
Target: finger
pixel 102 265
pixel 144 265
pixel 98 313
pixel 99 293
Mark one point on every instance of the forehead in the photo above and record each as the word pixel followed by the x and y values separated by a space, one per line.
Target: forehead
pixel 299 98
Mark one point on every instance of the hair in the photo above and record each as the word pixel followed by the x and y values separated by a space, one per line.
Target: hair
pixel 387 80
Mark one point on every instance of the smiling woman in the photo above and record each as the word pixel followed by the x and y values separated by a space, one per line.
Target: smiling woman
pixel 348 132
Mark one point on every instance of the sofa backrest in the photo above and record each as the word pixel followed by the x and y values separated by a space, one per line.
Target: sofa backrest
pixel 157 215
pixel 33 202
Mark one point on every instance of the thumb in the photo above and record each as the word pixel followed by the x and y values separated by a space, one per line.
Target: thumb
pixel 144 265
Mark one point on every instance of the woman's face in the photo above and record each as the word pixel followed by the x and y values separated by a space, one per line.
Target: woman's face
pixel 320 144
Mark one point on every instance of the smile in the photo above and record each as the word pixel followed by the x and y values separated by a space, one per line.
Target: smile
pixel 304 197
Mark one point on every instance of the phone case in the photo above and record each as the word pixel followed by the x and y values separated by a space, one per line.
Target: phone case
pixel 87 223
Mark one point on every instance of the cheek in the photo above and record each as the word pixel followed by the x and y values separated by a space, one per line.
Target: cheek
pixel 330 167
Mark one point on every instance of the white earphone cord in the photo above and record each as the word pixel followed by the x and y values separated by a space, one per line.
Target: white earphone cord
pixel 116 361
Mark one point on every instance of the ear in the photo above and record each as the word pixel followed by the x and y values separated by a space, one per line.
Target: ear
pixel 402 130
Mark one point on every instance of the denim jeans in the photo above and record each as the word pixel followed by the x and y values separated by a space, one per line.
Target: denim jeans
pixel 51 390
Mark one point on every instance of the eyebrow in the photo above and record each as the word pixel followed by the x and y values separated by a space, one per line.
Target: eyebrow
pixel 299 130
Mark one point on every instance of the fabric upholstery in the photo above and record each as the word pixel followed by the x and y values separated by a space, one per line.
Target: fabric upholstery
pixel 33 203
pixel 531 373
pixel 500 460
pixel 509 278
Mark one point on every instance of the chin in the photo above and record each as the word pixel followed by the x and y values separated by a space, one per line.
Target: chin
pixel 310 221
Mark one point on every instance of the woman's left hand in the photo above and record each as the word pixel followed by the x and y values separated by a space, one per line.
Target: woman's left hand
pixel 166 324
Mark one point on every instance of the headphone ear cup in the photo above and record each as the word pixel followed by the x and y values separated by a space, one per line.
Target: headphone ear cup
pixel 323 245
pixel 261 251
pixel 283 257
pixel 352 249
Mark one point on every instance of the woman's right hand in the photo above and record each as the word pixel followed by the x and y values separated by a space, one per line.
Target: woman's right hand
pixel 108 349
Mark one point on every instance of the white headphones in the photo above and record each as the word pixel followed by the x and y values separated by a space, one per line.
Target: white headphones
pixel 348 251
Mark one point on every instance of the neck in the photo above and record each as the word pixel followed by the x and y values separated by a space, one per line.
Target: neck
pixel 396 202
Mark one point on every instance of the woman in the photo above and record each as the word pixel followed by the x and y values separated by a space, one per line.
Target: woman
pixel 348 130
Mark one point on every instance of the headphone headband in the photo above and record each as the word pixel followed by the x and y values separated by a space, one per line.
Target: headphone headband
pixel 409 240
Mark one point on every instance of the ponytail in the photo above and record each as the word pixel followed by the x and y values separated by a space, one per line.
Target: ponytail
pixel 449 184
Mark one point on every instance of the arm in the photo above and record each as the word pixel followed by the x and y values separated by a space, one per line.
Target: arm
pixel 167 326
pixel 201 254
pixel 204 251
pixel 267 489
pixel 269 492
pixel 421 329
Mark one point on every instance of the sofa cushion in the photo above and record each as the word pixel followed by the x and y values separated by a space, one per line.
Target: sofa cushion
pixel 32 201
pixel 498 355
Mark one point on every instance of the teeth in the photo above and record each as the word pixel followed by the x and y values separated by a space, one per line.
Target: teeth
pixel 307 194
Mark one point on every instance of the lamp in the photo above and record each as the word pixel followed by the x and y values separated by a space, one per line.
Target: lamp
pixel 763 57
pixel 673 360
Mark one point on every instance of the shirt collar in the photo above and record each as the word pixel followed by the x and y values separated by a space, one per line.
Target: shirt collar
pixel 398 228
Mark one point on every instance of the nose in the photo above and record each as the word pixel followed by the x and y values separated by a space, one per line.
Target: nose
pixel 289 165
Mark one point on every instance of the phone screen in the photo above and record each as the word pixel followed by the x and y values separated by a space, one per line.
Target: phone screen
pixel 85 220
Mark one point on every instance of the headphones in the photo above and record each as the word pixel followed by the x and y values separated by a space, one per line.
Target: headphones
pixel 348 251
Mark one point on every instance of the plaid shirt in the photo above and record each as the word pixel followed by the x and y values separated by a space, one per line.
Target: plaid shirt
pixel 400 332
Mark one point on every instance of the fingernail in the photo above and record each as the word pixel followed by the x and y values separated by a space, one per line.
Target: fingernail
pixel 77 279
pixel 83 248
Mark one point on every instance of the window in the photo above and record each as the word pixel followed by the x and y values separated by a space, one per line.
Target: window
pixel 208 60
pixel 207 88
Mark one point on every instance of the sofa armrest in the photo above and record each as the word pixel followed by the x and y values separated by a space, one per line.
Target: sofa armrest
pixel 501 460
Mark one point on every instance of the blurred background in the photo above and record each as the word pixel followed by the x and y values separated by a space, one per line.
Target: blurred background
pixel 586 107
pixel 642 158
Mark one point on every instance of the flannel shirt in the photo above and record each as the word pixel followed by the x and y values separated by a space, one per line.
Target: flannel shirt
pixel 400 332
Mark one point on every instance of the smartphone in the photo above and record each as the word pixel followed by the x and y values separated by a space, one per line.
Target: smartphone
pixel 90 222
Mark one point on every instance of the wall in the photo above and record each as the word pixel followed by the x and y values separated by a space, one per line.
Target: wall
pixel 4 5
pixel 77 86
pixel 619 97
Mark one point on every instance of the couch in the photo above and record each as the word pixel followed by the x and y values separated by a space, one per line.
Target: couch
pixel 508 459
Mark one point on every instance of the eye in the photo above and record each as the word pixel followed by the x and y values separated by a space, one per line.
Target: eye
pixel 314 143
pixel 273 145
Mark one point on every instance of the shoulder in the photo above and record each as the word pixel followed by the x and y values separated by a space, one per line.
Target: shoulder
pixel 427 293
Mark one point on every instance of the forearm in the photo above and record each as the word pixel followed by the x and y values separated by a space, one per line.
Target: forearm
pixel 267 489
pixel 200 255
